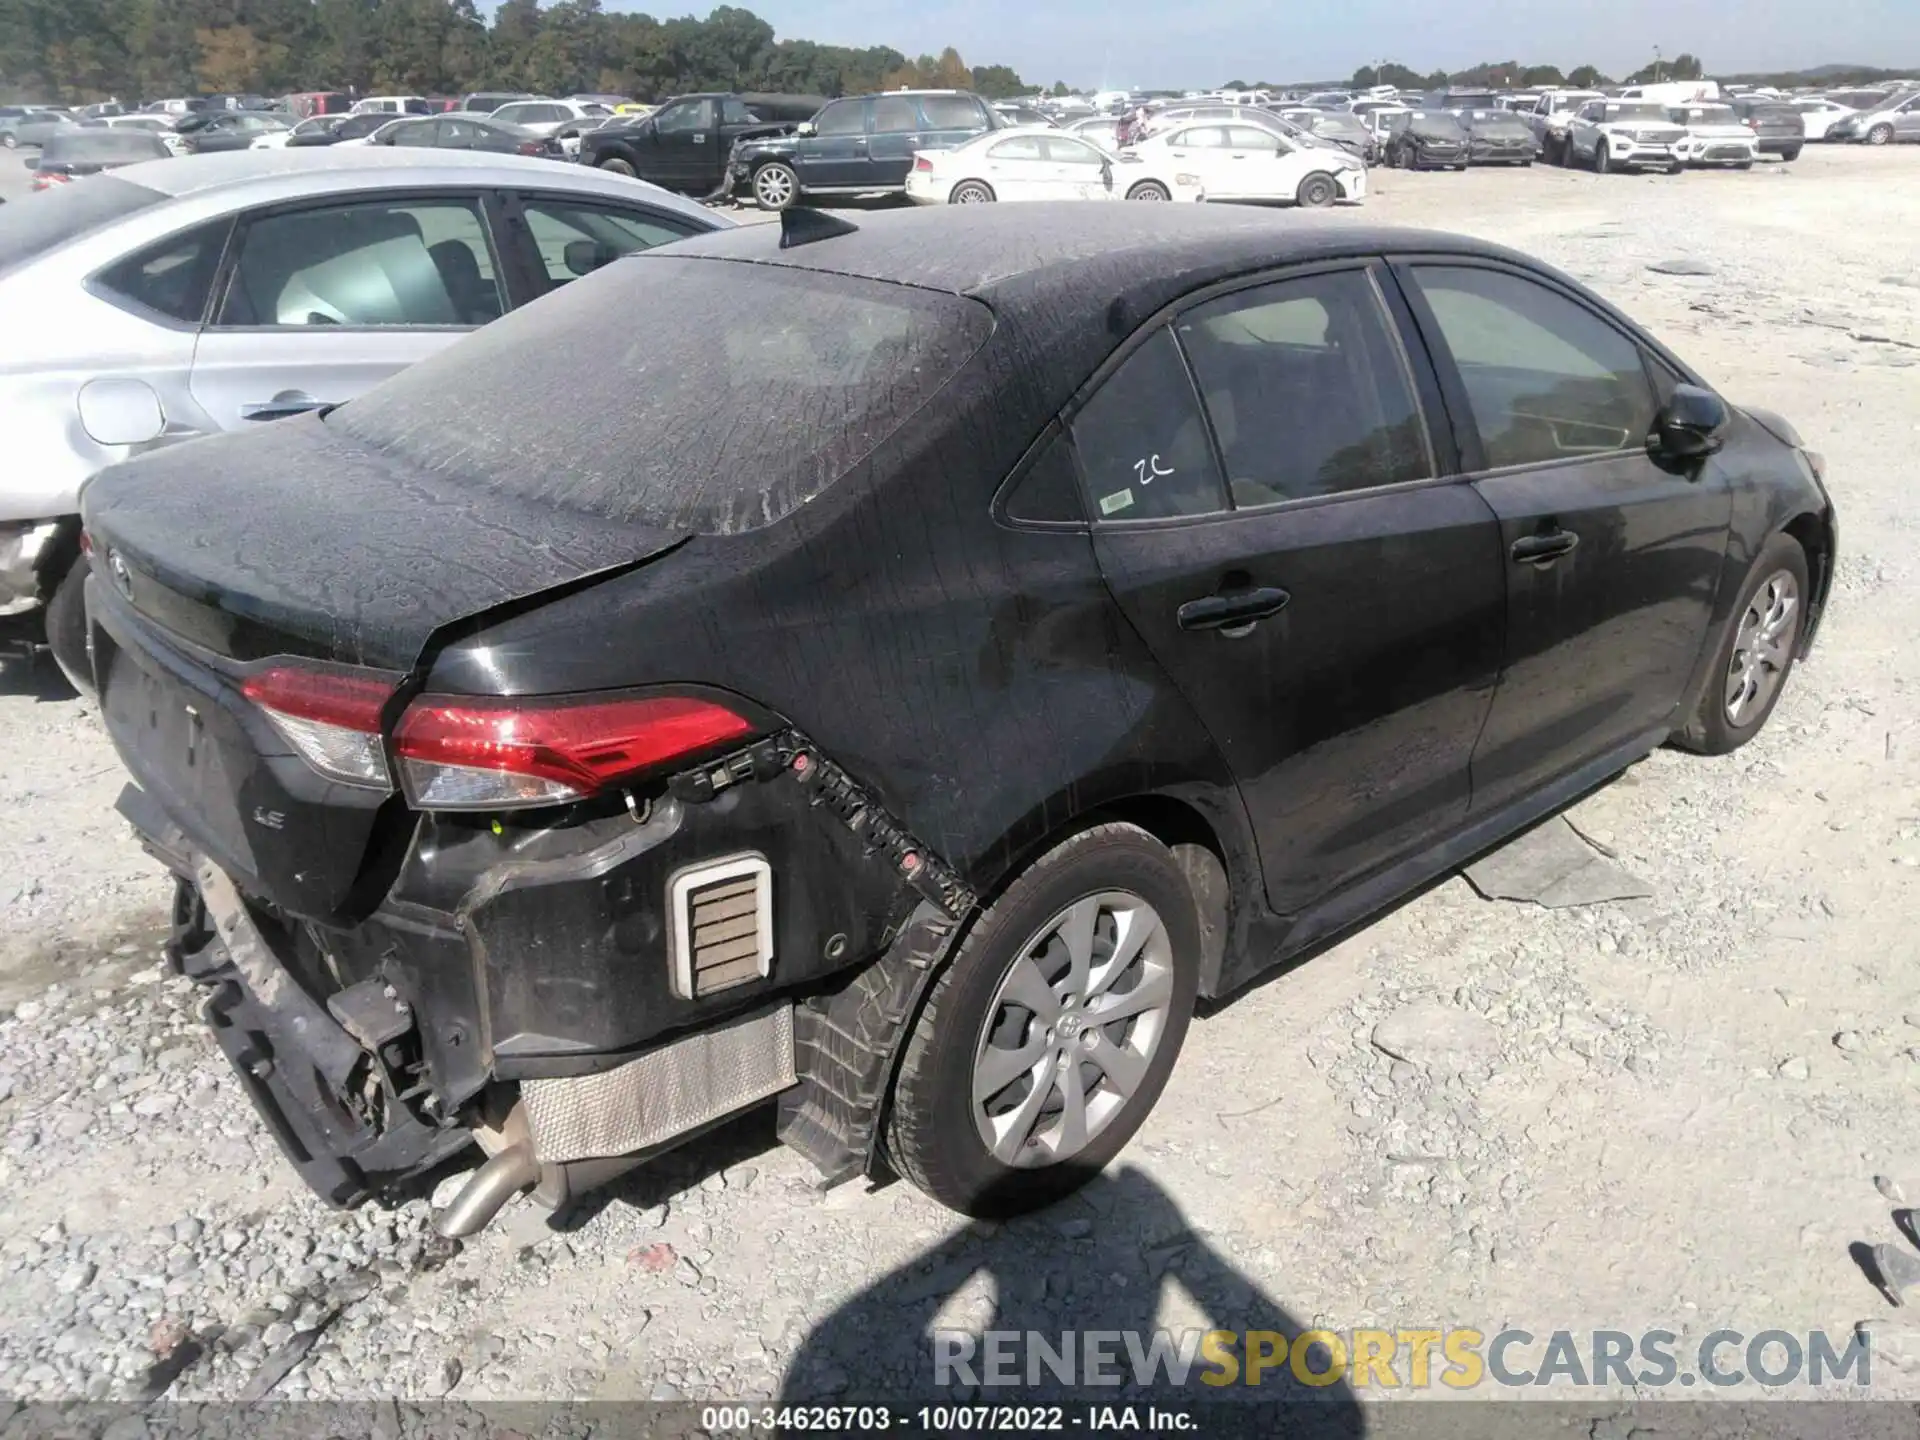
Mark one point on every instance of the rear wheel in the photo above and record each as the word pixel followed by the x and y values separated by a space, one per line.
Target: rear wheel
pixel 1602 160
pixel 617 166
pixel 1149 190
pixel 1878 135
pixel 1751 666
pixel 1675 169
pixel 1047 1040
pixel 1318 190
pixel 972 192
pixel 1791 153
pixel 775 186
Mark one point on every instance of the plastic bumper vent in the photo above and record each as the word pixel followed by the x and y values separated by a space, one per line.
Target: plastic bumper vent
pixel 722 925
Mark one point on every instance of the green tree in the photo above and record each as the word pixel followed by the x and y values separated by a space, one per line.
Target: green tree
pixel 998 82
pixel 1585 77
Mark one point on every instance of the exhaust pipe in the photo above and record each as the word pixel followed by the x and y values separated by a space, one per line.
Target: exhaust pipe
pixel 493 1184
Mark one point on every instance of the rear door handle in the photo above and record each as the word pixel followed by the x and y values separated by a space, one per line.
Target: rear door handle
pixel 1543 549
pixel 280 407
pixel 1237 610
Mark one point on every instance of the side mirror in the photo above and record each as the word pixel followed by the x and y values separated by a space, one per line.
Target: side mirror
pixel 804 129
pixel 1689 426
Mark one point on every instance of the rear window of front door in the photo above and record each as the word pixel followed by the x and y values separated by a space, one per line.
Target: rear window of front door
pixel 1307 389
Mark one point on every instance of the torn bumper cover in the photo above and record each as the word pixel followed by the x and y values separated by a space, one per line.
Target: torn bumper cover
pixel 532 993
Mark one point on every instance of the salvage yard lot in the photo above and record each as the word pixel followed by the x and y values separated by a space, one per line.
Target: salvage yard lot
pixel 1673 1120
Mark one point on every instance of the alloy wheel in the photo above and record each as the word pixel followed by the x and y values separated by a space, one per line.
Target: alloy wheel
pixel 1072 1029
pixel 773 187
pixel 1763 646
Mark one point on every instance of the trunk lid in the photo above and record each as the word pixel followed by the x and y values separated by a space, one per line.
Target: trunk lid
pixel 293 539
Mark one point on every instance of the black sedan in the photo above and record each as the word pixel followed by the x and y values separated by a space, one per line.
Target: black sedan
pixel 1426 140
pixel 332 129
pixel 915 662
pixel 466 132
pixel 1498 137
pixel 205 132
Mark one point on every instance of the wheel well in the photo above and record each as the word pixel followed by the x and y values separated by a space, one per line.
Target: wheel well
pixel 1814 534
pixel 1184 830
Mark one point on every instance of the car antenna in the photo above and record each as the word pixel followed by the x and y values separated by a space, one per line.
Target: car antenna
pixel 803 227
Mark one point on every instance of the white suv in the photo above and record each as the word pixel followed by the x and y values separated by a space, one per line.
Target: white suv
pixel 1626 135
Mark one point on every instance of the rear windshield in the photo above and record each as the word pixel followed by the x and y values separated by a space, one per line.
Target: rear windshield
pixel 102 147
pixel 38 223
pixel 692 395
pixel 1636 110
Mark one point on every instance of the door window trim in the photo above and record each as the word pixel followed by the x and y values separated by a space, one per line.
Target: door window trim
pixel 1459 407
pixel 1417 368
pixel 484 202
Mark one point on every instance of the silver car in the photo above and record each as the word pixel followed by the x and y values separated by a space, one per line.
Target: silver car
pixel 181 297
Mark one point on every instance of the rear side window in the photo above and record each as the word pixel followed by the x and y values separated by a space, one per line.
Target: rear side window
pixel 1306 388
pixel 173 278
pixel 1142 441
pixel 952 112
pixel 748 391
pixel 30 228
pixel 894 115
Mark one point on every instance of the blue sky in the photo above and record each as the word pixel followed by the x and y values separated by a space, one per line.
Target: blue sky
pixel 1180 43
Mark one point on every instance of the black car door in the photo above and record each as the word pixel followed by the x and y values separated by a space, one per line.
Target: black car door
pixel 1270 515
pixel 680 144
pixel 1611 560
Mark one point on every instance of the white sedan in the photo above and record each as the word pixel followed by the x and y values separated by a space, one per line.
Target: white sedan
pixel 1242 162
pixel 1029 164
pixel 1820 116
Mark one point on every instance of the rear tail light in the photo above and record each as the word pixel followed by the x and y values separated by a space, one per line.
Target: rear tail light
pixel 461 753
pixel 533 147
pixel 330 716
pixel 921 162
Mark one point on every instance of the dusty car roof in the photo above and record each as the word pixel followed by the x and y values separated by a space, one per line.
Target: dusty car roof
pixel 1143 249
pixel 193 174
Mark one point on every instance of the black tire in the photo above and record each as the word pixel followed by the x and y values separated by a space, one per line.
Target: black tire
pixel 1404 160
pixel 1602 159
pixel 1149 190
pixel 1317 191
pixel 932 1137
pixel 66 621
pixel 775 186
pixel 1675 169
pixel 1712 731
pixel 975 192
pixel 1744 165
pixel 1791 153
pixel 617 166
pixel 1878 135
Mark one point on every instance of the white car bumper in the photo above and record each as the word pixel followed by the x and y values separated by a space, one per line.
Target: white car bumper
pixel 924 188
pixel 1625 152
pixel 1703 150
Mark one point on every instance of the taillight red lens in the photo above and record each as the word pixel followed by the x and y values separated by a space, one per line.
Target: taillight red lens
pixel 532 147
pixel 921 162
pixel 331 716
pixel 461 753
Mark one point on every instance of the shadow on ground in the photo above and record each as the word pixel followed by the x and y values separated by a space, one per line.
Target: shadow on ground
pixel 1100 1262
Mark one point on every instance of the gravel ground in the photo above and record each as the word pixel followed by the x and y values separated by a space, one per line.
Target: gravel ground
pixel 1667 1112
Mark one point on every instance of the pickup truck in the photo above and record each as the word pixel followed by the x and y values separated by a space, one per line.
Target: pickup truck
pixel 685 143
pixel 1550 117
pixel 862 145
